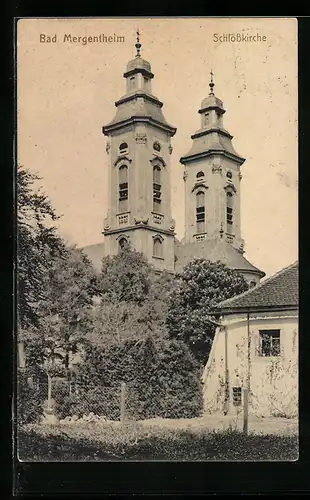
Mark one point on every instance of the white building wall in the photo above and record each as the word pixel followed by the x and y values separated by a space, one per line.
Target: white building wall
pixel 273 380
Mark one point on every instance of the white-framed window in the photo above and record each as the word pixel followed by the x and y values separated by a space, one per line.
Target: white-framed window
pixel 157 247
pixel 156 188
pixel 122 244
pixel 123 188
pixel 123 148
pixel 200 212
pixel 229 211
pixel 157 147
pixel 237 396
pixel 200 175
pixel 269 342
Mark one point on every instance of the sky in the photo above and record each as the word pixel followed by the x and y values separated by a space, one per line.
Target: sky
pixel 66 93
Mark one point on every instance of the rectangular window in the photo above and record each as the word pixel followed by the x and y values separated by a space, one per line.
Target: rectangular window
pixel 200 219
pixel 269 342
pixel 123 197
pixel 156 197
pixel 237 396
pixel 229 215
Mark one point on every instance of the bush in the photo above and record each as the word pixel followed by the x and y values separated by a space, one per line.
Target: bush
pixel 161 376
pixel 98 400
pixel 138 442
pixel 29 401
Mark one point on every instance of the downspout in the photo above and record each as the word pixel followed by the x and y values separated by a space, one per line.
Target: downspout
pixel 248 382
pixel 226 400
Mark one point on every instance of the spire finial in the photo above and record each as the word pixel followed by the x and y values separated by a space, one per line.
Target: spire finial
pixel 138 44
pixel 211 84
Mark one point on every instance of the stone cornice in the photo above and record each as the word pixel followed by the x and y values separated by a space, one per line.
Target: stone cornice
pixel 138 119
pixel 147 227
pixel 143 95
pixel 211 152
pixel 122 158
pixel 211 130
pixel 230 187
pixel 143 71
pixel 199 185
pixel 158 159
pixel 220 111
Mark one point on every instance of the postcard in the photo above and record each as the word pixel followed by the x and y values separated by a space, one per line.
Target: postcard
pixel 157 271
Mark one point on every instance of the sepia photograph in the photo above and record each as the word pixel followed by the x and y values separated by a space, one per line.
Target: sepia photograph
pixel 157 239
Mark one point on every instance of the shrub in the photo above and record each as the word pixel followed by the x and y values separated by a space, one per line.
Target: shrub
pixel 98 400
pixel 29 401
pixel 161 376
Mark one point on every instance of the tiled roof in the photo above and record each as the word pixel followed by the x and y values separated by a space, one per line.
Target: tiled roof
pixel 279 291
pixel 95 253
pixel 213 250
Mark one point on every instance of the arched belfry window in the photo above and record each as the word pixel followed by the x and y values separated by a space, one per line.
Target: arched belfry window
pixel 229 211
pixel 122 244
pixel 158 247
pixel 123 188
pixel 200 212
pixel 156 188
pixel 200 176
pixel 123 148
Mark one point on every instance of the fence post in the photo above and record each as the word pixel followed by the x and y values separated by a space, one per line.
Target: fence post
pixel 123 401
pixel 245 411
pixel 49 391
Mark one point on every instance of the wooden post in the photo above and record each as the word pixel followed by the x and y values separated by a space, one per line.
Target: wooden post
pixel 245 411
pixel 123 401
pixel 21 355
pixel 49 391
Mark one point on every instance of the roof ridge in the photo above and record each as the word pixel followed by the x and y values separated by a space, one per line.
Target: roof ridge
pixel 259 286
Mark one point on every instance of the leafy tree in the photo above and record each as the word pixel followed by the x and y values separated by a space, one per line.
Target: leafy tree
pixel 133 300
pixel 125 277
pixel 196 291
pixel 37 243
pixel 55 282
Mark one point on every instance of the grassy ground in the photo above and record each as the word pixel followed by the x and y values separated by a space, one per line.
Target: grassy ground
pixel 150 441
pixel 256 425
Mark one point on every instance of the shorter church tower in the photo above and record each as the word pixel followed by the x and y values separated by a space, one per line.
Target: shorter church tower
pixel 212 194
pixel 139 171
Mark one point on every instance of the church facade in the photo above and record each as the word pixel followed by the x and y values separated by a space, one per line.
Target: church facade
pixel 139 191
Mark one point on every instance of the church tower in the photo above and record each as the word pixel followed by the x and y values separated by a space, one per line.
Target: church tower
pixel 212 194
pixel 212 178
pixel 139 189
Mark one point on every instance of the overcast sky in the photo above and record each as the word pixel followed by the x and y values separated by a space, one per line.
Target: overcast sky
pixel 66 93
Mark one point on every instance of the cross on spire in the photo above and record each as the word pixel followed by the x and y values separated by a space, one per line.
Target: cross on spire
pixel 211 84
pixel 138 44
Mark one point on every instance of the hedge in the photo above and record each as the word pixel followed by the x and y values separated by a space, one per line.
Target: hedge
pixel 136 442
pixel 162 378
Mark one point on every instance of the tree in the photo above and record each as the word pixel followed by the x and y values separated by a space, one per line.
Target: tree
pixel 55 283
pixel 37 243
pixel 125 277
pixel 133 300
pixel 197 289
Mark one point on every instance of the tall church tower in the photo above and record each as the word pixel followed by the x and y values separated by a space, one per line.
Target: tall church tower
pixel 212 194
pixel 139 189
pixel 212 179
